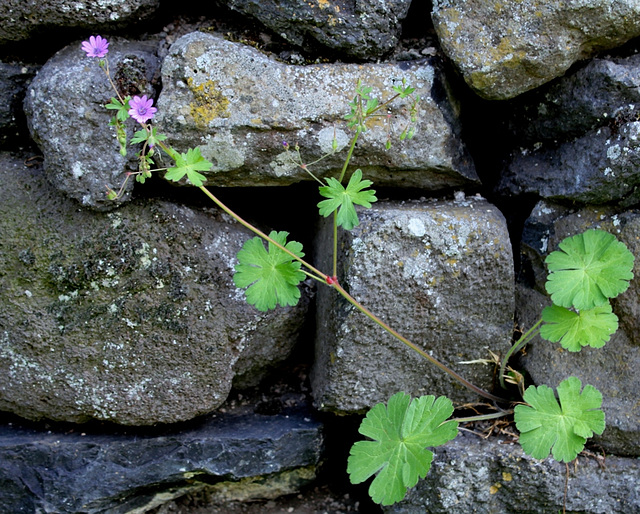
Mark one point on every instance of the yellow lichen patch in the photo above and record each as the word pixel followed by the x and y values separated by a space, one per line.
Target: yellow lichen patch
pixel 208 103
pixel 506 476
pixel 494 488
pixel 323 4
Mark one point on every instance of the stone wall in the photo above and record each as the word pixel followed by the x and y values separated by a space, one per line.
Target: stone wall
pixel 133 375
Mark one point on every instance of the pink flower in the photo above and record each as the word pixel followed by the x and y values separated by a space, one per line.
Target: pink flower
pixel 97 46
pixel 141 108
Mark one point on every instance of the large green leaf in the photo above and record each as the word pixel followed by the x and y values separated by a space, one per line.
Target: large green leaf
pixel 592 327
pixel 588 269
pixel 271 276
pixel 401 431
pixel 561 429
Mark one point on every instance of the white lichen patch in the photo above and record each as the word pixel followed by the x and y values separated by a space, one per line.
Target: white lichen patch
pixel 329 136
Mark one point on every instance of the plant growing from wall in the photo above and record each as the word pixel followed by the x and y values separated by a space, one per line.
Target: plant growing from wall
pixel 584 274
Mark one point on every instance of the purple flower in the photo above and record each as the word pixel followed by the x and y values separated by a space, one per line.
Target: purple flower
pixel 141 108
pixel 97 46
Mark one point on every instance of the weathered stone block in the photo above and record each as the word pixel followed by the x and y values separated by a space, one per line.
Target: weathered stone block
pixel 441 274
pixel 130 317
pixel 132 472
pixel 365 30
pixel 238 106
pixel 506 48
pixel 67 119
pixel 21 20
pixel 486 476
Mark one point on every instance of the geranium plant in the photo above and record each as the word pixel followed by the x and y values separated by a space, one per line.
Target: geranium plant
pixel 584 274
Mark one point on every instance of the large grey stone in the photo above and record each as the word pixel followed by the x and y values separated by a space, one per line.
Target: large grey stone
pixel 59 471
pixel 238 106
pixel 613 368
pixel 131 316
pixel 487 476
pixel 67 119
pixel 362 29
pixel 441 274
pixel 506 48
pixel 579 137
pixel 21 20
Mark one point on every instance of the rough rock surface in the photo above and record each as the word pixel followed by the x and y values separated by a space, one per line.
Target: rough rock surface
pixel 238 106
pixel 506 48
pixel 579 137
pixel 21 20
pixel 472 474
pixel 361 29
pixel 67 119
pixel 57 471
pixel 613 368
pixel 441 273
pixel 130 317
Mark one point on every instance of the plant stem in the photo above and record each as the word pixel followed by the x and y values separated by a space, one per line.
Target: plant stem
pixel 519 344
pixel 416 348
pixel 483 417
pixel 321 276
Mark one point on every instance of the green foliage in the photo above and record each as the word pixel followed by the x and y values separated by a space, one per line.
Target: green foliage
pixel 189 164
pixel 591 327
pixel 401 432
pixel 563 428
pixel 151 137
pixel 342 199
pixel 122 108
pixel 588 269
pixel 272 276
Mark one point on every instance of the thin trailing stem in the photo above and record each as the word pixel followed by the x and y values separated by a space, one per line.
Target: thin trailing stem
pixel 518 345
pixel 484 417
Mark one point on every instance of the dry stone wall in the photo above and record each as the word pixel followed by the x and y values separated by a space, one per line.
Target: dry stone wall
pixel 125 345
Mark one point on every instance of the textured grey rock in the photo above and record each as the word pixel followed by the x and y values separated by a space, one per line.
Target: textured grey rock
pixel 605 92
pixel 68 471
pixel 361 29
pixel 21 20
pixel 613 368
pixel 506 48
pixel 486 476
pixel 579 137
pixel 238 105
pixel 438 272
pixel 13 84
pixel 67 119
pixel 131 316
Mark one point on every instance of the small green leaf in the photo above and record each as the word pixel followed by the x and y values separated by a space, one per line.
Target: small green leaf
pixel 121 107
pixel 342 199
pixel 588 269
pixel 401 432
pixel 189 164
pixel 592 327
pixel 561 429
pixel 271 277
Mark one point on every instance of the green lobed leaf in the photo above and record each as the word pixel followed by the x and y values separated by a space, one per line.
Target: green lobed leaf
pixel 189 164
pixel 271 276
pixel 591 327
pixel 588 269
pixel 122 108
pixel 343 199
pixel 401 432
pixel 546 426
